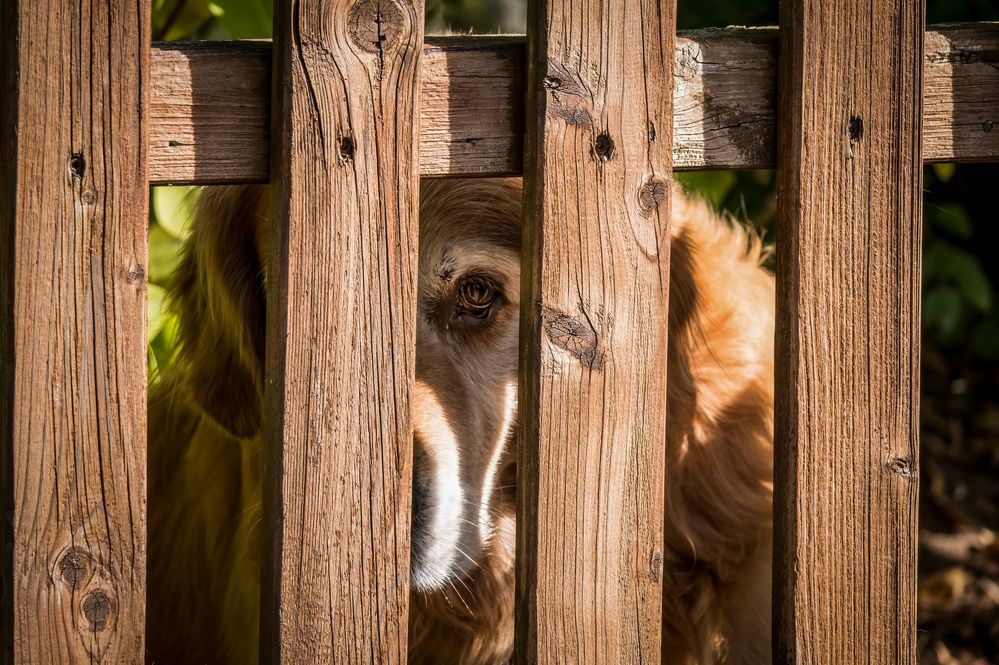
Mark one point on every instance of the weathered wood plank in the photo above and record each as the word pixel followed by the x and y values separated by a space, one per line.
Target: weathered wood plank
pixel 593 332
pixel 209 112
pixel 73 216
pixel 341 335
pixel 961 93
pixel 848 277
pixel 210 109
pixel 472 104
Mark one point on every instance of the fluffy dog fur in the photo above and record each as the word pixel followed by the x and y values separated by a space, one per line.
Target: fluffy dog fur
pixel 205 453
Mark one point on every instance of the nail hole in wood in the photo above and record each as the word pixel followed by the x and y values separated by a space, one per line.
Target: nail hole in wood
pixel 856 128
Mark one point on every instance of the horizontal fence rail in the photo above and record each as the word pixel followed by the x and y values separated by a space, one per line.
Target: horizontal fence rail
pixel 210 104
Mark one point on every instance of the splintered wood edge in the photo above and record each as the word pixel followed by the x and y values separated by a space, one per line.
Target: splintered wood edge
pixel 210 104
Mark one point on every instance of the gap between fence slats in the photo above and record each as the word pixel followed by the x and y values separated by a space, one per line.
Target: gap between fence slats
pixel 847 352
pixel 210 104
pixel 341 318
pixel 73 217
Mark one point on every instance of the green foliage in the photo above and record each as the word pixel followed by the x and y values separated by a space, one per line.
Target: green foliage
pixel 246 19
pixel 958 299
pixel 181 19
pixel 170 213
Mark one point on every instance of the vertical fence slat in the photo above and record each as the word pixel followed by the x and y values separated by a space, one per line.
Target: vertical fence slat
pixel 850 179
pixel 73 216
pixel 593 359
pixel 341 330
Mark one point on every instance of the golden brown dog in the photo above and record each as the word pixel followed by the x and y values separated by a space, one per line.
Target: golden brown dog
pixel 205 455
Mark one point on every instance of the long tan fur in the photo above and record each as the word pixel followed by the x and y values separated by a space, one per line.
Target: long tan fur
pixel 205 452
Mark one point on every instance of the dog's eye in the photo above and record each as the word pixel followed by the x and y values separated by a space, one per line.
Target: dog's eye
pixel 475 298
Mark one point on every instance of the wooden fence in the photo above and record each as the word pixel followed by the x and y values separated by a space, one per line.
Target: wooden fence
pixel 93 113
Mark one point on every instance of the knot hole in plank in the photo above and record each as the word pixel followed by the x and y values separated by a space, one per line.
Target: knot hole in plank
pixel 376 26
pixel 855 130
pixel 603 147
pixel 77 166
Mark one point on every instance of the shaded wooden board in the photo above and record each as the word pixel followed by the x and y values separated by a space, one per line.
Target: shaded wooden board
pixel 847 349
pixel 209 107
pixel 73 217
pixel 591 465
pixel 341 334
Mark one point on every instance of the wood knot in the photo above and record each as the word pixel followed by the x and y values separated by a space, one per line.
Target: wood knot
pixel 74 567
pixel 376 26
pixel 900 466
pixel 89 196
pixel 552 82
pixel 656 566
pixel 651 195
pixel 577 337
pixel 987 126
pixel 135 274
pixel 572 115
pixel 603 147
pixel 97 608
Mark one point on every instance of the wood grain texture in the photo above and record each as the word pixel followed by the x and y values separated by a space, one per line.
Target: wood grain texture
pixel 848 277
pixel 341 331
pixel 593 332
pixel 961 93
pixel 73 216
pixel 210 104
pixel 472 106
pixel 209 112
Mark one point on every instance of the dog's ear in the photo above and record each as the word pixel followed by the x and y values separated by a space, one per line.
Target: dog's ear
pixel 218 296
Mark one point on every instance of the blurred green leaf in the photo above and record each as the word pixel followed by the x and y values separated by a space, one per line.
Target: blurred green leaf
pixel 714 186
pixel 952 218
pixel 246 19
pixel 173 208
pixel 944 172
pixel 931 263
pixel 164 253
pixel 179 19
pixel 986 337
pixel 155 310
pixel 162 330
pixel 958 269
pixel 162 346
pixel 974 283
pixel 942 311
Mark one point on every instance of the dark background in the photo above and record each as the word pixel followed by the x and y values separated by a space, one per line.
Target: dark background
pixel 959 457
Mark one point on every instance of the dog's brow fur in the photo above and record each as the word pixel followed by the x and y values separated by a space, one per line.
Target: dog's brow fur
pixel 205 452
